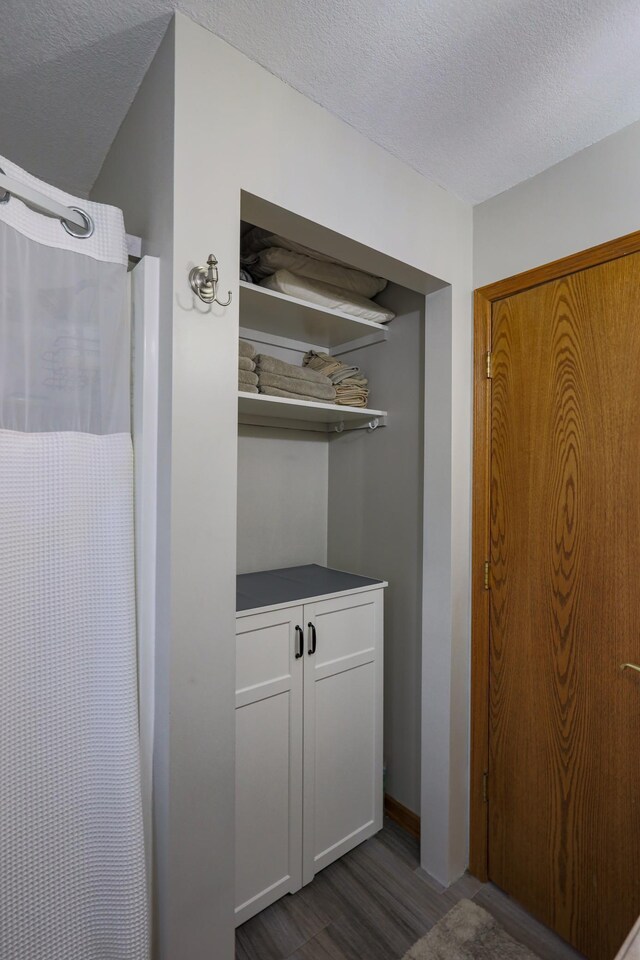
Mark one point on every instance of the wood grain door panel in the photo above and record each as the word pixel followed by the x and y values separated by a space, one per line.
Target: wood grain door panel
pixel 564 721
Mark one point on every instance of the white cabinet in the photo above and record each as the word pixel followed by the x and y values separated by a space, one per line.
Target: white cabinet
pixel 268 759
pixel 342 727
pixel 309 741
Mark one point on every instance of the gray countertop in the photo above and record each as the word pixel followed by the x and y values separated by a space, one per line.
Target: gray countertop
pixel 289 584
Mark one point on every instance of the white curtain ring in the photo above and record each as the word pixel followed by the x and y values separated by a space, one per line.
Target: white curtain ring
pixel 78 232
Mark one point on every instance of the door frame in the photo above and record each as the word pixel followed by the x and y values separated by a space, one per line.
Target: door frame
pixel 484 298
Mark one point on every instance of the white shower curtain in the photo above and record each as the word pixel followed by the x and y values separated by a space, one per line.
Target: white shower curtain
pixel 72 884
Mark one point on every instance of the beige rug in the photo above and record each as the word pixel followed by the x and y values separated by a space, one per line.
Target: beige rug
pixel 468 933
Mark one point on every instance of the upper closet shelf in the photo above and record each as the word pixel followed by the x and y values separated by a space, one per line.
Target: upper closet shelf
pixel 264 411
pixel 277 314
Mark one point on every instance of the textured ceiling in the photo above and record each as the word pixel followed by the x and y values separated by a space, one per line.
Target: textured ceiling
pixel 475 94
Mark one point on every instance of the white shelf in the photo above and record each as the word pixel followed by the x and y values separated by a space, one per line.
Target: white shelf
pixel 262 410
pixel 277 314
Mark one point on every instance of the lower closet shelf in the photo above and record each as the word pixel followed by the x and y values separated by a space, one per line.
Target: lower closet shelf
pixel 262 410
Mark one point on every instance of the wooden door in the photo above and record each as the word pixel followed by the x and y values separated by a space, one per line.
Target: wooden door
pixel 564 719
pixel 269 687
pixel 342 727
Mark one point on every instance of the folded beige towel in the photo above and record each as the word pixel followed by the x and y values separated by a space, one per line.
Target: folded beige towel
pixel 350 396
pixel 247 388
pixel 330 366
pixel 350 383
pixel 305 388
pixel 353 392
pixel 275 392
pixel 246 349
pixel 358 381
pixel 336 370
pixel 244 376
pixel 266 364
pixel 357 400
pixel 244 363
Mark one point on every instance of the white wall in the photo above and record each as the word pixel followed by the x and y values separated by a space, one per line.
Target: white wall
pixel 283 478
pixel 275 144
pixel 272 143
pixel 445 666
pixel 238 128
pixel 375 524
pixel 587 199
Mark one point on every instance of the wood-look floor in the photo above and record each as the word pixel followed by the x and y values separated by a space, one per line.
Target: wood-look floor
pixel 373 904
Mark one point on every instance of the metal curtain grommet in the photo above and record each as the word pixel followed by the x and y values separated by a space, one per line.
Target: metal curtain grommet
pixel 78 232
pixel 5 196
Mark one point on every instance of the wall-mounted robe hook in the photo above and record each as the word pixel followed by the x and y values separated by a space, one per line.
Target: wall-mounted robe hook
pixel 204 282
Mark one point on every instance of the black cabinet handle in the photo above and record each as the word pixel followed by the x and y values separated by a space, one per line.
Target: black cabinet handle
pixel 313 639
pixel 300 642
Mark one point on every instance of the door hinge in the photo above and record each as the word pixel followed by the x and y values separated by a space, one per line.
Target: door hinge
pixel 487 574
pixel 485 787
pixel 489 359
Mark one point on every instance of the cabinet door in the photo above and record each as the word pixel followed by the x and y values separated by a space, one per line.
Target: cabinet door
pixel 342 727
pixel 268 759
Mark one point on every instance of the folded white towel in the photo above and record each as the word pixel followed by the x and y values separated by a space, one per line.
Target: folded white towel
pixel 258 239
pixel 326 295
pixel 269 261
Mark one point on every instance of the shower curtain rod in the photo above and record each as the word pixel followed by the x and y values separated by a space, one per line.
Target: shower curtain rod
pixel 43 204
pixel 69 216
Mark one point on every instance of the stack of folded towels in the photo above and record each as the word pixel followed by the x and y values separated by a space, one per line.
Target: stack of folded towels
pixel 288 267
pixel 280 379
pixel 351 386
pixel 321 378
pixel 247 377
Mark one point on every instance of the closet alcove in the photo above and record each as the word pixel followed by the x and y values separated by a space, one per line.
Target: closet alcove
pixel 343 490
